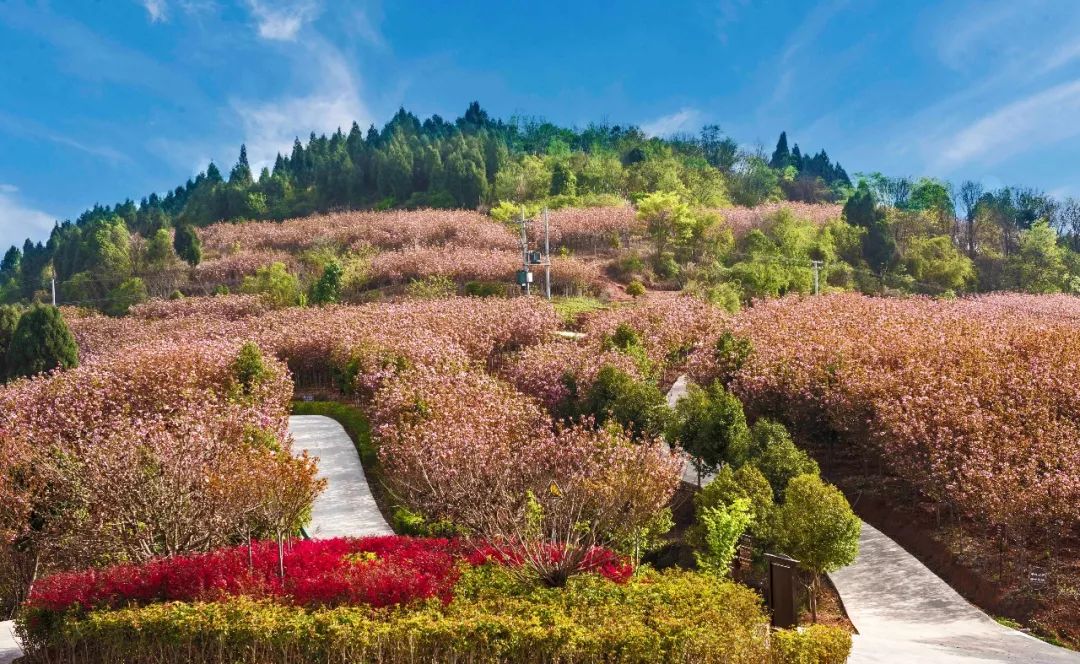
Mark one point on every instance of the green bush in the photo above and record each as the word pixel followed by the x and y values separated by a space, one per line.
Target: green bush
pixel 431 288
pixel 485 289
pixel 249 368
pixel 635 289
pixel 656 617
pixel 41 342
pixel 777 456
pixel 816 644
pixel 710 425
pixel 638 405
pixel 274 283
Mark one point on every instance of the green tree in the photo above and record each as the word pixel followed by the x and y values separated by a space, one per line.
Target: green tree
pixel 667 218
pixel 781 156
pixel 187 245
pixel 777 457
pixel 1038 265
pixel 563 180
pixel 879 247
pixel 159 249
pixel 747 482
pixel 41 342
pixel 711 426
pixel 327 290
pixel 274 282
pixel 129 292
pixel 638 405
pixel 722 527
pixel 249 367
pixel 861 207
pixel 9 320
pixel 937 265
pixel 816 526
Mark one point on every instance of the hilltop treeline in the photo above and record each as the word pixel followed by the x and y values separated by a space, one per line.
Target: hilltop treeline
pixel 475 161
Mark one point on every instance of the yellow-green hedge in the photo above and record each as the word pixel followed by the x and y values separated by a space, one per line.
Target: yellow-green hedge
pixel 816 644
pixel 668 617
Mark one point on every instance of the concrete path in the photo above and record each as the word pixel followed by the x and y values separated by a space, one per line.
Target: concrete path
pixel 904 614
pixel 9 647
pixel 690 474
pixel 346 508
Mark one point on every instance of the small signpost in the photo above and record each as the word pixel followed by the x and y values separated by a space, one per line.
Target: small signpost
pixel 781 595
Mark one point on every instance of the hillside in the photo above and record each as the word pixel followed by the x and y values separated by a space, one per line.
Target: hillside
pixel 901 235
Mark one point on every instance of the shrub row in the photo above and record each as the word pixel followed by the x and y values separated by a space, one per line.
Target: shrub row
pixel 668 617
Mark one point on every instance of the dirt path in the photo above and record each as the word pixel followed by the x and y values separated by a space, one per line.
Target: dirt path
pixel 904 613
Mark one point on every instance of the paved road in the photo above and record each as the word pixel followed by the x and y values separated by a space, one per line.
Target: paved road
pixel 346 508
pixel 9 647
pixel 904 613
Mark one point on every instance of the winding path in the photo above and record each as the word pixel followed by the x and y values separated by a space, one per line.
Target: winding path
pixel 347 508
pixel 905 613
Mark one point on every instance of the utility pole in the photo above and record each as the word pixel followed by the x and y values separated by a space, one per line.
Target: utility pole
pixel 817 271
pixel 54 291
pixel 525 272
pixel 547 257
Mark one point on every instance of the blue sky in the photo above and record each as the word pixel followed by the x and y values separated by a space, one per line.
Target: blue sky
pixel 108 99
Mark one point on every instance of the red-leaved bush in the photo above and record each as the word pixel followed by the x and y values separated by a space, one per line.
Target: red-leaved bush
pixel 377 571
pixel 598 559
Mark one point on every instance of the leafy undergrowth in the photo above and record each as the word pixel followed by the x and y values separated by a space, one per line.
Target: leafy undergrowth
pixel 675 616
pixel 374 571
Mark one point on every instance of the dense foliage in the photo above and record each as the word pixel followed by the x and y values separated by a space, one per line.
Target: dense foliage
pixel 965 400
pixel 898 234
pixel 674 616
pixel 161 449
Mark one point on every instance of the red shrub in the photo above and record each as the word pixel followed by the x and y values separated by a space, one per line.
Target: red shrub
pixel 600 560
pixel 378 571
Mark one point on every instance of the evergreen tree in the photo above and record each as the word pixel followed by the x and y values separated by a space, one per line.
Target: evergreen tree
pixel 41 342
pixel 879 247
pixel 187 245
pixel 9 267
pixel 327 290
pixel 213 175
pixel 241 173
pixel 781 156
pixel 861 208
pixel 9 320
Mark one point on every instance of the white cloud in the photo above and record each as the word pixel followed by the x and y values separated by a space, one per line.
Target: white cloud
pixel 281 21
pixel 270 126
pixel 18 221
pixel 157 9
pixel 685 119
pixel 1040 119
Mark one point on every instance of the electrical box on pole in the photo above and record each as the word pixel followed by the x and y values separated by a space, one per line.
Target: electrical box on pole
pixel 534 258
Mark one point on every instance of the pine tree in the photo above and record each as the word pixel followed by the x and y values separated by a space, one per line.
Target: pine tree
pixel 187 245
pixel 861 208
pixel 241 173
pixel 781 157
pixel 41 342
pixel 213 174
pixel 9 267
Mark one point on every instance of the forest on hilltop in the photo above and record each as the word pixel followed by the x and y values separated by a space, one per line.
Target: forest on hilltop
pixel 911 235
